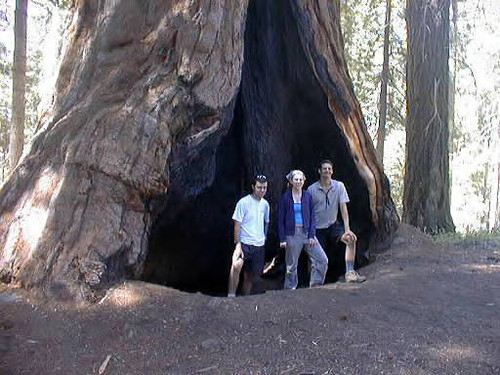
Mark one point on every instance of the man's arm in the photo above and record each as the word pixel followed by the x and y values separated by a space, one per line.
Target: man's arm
pixel 266 219
pixel 237 231
pixel 345 216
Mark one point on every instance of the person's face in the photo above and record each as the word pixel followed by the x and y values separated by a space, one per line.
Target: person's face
pixel 326 170
pixel 298 181
pixel 259 189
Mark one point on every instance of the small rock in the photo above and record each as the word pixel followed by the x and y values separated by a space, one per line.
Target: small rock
pixel 210 343
pixel 5 342
pixel 7 297
pixel 398 240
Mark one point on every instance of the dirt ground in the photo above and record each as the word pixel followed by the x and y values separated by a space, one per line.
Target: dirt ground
pixel 426 308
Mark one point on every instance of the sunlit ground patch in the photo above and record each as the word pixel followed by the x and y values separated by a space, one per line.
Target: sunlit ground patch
pixel 456 352
pixel 124 296
pixel 484 268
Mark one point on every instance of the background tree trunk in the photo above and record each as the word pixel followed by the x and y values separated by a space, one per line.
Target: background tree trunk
pixel 496 226
pixel 384 79
pixel 157 128
pixel 18 84
pixel 426 198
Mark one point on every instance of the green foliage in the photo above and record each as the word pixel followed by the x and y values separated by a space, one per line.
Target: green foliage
pixel 40 15
pixel 363 25
pixel 58 4
pixel 33 98
pixel 395 171
pixel 5 89
pixel 363 29
pixel 474 134
pixel 474 235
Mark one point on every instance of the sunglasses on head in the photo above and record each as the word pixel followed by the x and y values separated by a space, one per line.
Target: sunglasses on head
pixel 260 178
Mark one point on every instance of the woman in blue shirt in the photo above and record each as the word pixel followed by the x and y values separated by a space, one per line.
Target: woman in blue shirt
pixel 297 231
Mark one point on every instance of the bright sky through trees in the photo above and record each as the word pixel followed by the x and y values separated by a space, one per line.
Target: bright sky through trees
pixel 475 166
pixel 475 152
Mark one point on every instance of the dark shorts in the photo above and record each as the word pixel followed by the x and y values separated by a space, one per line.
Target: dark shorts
pixel 329 237
pixel 254 259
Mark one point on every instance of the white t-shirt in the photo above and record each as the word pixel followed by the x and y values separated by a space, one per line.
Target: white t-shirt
pixel 252 214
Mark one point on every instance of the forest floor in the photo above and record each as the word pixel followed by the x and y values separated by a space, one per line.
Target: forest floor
pixel 426 308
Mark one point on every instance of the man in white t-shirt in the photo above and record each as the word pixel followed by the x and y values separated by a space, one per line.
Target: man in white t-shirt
pixel 328 196
pixel 251 220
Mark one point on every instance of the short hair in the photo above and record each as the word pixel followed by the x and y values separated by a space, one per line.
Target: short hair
pixel 326 161
pixel 259 178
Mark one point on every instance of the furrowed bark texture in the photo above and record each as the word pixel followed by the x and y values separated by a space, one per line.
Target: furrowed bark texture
pixel 164 111
pixel 141 81
pixel 426 197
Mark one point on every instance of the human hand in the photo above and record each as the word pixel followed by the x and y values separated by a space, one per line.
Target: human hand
pixel 312 242
pixel 283 245
pixel 237 253
pixel 349 237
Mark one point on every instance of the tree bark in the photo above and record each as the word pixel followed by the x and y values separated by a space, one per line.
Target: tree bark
pixel 426 197
pixel 384 78
pixel 18 84
pixel 454 45
pixel 156 130
pixel 496 226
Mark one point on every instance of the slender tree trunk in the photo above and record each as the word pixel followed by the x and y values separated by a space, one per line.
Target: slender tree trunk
pixel 453 79
pixel 497 210
pixel 383 85
pixel 453 71
pixel 18 84
pixel 496 198
pixel 486 195
pixel 426 197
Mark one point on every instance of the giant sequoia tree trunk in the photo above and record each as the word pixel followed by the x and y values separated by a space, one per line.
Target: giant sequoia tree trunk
pixel 164 110
pixel 426 197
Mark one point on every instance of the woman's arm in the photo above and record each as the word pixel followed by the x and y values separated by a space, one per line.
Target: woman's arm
pixel 312 225
pixel 281 221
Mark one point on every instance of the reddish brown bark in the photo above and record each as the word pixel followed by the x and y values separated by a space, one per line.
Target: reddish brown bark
pixel 139 134
pixel 426 197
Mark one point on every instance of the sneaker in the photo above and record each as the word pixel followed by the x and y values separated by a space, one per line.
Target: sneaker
pixel 354 277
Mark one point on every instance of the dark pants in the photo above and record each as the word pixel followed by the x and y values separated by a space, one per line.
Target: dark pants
pixel 329 238
pixel 254 259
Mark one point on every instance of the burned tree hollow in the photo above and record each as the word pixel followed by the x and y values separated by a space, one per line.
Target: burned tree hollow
pixel 281 120
pixel 156 130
